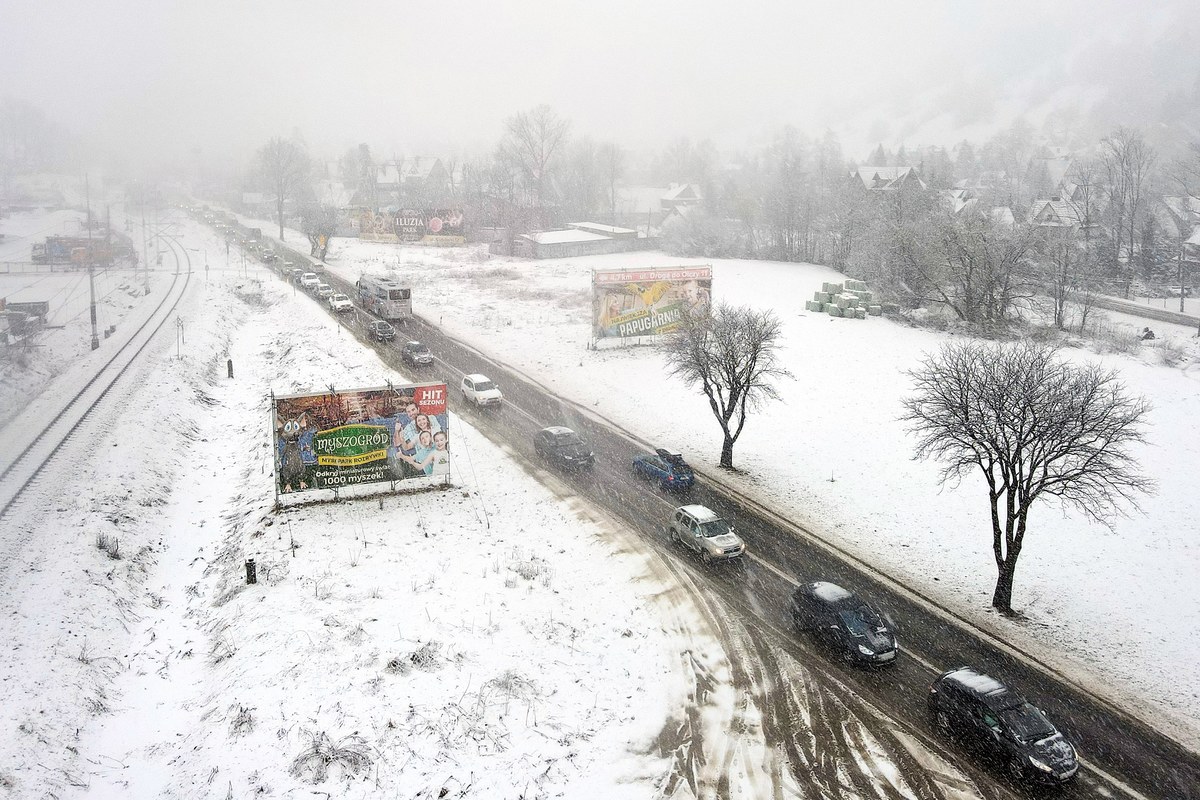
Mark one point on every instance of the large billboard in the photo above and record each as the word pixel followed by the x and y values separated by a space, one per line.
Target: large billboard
pixel 337 439
pixel 646 302
pixel 431 226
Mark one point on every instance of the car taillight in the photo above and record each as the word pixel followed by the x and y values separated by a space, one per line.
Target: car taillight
pixel 670 478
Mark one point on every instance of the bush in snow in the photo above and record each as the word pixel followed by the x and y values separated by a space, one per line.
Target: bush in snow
pixel 351 753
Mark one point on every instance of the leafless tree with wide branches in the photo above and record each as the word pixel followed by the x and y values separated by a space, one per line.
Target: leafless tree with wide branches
pixel 532 140
pixel 1036 426
pixel 731 353
pixel 284 166
pixel 1129 162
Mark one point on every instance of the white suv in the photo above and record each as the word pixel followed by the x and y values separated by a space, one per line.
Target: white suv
pixel 340 303
pixel 479 390
pixel 309 280
pixel 699 528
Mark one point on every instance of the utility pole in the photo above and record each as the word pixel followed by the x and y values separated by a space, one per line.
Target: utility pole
pixel 145 252
pixel 91 272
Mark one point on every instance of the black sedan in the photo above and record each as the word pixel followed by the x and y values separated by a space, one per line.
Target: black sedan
pixel 847 624
pixel 563 447
pixel 669 469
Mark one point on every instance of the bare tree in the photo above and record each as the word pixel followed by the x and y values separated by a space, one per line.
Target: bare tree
pixel 581 180
pixel 532 140
pixel 731 353
pixel 284 166
pixel 1186 171
pixel 980 268
pixel 612 165
pixel 1036 427
pixel 1084 199
pixel 1129 161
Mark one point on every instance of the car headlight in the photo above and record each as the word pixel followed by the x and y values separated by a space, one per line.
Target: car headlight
pixel 1041 765
pixel 866 651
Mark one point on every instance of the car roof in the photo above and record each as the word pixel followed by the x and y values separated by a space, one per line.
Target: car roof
pixel 701 513
pixel 476 377
pixel 557 430
pixel 381 323
pixel 413 343
pixel 991 691
pixel 829 592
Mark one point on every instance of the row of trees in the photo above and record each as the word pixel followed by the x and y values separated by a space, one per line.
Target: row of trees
pixel 793 200
pixel 1034 426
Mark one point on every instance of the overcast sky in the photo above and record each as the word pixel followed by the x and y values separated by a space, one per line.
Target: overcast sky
pixel 164 77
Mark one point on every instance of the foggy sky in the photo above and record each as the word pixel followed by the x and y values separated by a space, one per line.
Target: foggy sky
pixel 163 78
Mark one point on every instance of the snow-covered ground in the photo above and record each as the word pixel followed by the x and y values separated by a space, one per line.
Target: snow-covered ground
pixel 494 639
pixel 499 634
pixel 460 637
pixel 1103 603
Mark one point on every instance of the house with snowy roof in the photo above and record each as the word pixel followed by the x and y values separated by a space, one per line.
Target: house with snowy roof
pixel 578 239
pixel 416 180
pixel 886 179
pixel 679 195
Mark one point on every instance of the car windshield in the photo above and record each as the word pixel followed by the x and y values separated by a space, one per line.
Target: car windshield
pixel 714 527
pixel 860 621
pixel 417 347
pixel 484 386
pixel 1027 724
pixel 570 437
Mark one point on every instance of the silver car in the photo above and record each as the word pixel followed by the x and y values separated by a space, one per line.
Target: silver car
pixel 699 528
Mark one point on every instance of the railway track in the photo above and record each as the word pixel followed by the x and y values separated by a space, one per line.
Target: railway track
pixel 38 436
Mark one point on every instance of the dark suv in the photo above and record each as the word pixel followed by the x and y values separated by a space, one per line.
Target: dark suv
pixel 416 354
pixel 381 330
pixel 850 626
pixel 669 469
pixel 1000 724
pixel 562 446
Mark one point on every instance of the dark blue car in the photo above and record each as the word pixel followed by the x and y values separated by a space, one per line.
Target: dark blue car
pixel 669 469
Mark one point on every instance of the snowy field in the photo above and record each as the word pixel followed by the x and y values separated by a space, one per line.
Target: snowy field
pixel 833 457
pixel 494 639
pixel 500 635
pixel 459 638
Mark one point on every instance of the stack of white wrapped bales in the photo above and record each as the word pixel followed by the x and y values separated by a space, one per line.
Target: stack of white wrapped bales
pixel 851 299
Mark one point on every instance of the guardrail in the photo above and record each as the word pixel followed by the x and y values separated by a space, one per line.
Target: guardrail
pixel 1141 310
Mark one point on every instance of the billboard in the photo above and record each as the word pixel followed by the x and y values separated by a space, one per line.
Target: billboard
pixel 337 439
pixel 646 302
pixel 431 226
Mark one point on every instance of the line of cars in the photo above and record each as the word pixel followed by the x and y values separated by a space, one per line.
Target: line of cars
pixel 985 715
pixel 311 282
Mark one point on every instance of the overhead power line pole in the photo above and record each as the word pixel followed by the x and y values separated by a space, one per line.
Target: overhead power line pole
pixel 91 272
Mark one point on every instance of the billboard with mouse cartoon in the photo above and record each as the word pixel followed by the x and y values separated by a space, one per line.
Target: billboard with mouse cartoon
pixel 331 440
